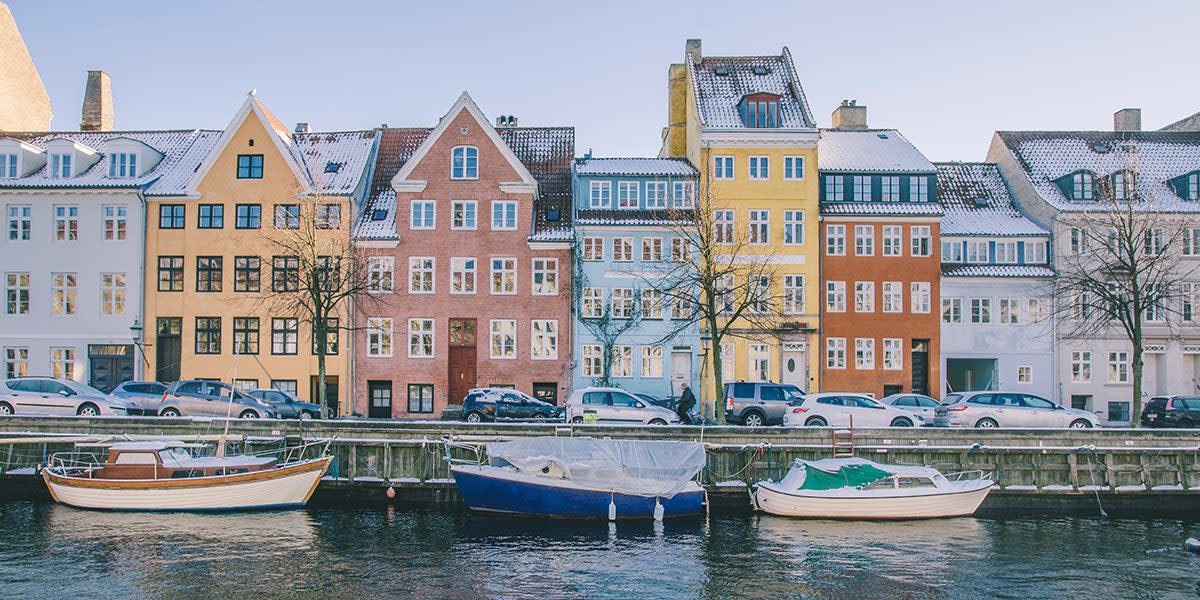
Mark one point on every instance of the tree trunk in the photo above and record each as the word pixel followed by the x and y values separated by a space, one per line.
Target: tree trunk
pixel 1135 413
pixel 321 336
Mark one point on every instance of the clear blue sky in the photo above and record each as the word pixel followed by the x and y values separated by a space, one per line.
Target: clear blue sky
pixel 946 73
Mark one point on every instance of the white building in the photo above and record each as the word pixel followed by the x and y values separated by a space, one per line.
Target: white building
pixel 73 247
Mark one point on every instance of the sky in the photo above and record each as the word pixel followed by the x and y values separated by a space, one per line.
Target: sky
pixel 947 74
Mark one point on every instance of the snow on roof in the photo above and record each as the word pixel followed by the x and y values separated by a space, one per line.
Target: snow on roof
pixel 900 209
pixel 640 217
pixel 968 270
pixel 720 82
pixel 977 202
pixel 870 151
pixel 337 160
pixel 1155 157
pixel 649 167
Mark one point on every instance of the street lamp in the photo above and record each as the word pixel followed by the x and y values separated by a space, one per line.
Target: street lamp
pixel 135 331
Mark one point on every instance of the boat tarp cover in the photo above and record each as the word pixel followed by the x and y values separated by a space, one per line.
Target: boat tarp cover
pixel 834 474
pixel 644 468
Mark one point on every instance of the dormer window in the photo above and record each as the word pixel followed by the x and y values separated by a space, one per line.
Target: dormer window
pixel 464 162
pixel 60 165
pixel 122 164
pixel 760 110
pixel 1192 191
pixel 1081 186
pixel 8 165
pixel 1122 185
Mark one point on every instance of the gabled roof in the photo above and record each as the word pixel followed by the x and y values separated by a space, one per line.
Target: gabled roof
pixel 635 167
pixel 282 139
pixel 977 202
pixel 869 151
pixel 1155 156
pixel 719 84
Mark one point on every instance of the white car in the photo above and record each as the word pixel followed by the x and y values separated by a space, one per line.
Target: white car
pixel 51 396
pixel 919 403
pixel 614 405
pixel 836 409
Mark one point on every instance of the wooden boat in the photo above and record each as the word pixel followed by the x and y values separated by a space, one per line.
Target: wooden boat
pixel 854 488
pixel 165 476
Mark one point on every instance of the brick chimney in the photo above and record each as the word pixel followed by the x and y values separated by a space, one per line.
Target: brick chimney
pixel 692 49
pixel 303 127
pixel 1127 119
pixel 850 116
pixel 97 103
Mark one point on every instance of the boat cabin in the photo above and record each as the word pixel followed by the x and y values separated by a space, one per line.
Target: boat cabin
pixel 171 460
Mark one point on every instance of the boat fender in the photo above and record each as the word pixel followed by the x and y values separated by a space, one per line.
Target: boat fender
pixel 1192 545
pixel 391 492
pixel 612 509
pixel 658 510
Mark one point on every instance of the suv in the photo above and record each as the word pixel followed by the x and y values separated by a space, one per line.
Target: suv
pixel 212 399
pixel 615 405
pixel 989 409
pixel 52 396
pixel 755 404
pixel 1172 411
pixel 498 404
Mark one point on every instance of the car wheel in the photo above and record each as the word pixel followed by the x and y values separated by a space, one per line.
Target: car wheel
pixel 815 422
pixel 1081 424
pixel 6 409
pixel 754 419
pixel 305 414
pixel 248 414
pixel 577 420
pixel 986 424
pixel 902 422
pixel 88 410
pixel 169 412
pixel 657 422
pixel 474 417
pixel 539 417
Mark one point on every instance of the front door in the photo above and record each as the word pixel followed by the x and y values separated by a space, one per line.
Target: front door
pixel 795 366
pixel 920 367
pixel 462 368
pixel 109 365
pixel 331 393
pixel 168 349
pixel 681 371
pixel 380 396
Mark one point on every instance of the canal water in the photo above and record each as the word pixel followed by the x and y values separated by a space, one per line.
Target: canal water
pixel 52 551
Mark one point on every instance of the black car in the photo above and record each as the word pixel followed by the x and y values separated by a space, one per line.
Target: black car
pixel 1172 411
pixel 288 405
pixel 501 404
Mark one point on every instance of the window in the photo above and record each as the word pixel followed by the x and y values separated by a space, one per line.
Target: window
pixel 1081 309
pixel 760 167
pixel 420 397
pixel 1122 184
pixel 593 303
pixel 1006 252
pixel 16 293
pixel 724 291
pixel 890 189
pixel 622 249
pixel 464 162
pixel 170 273
pixel 864 240
pixel 760 227
pixel 622 303
pixel 893 354
pixel 627 194
pixel 1156 305
pixel 60 165
pixel 622 361
pixel 652 361
pixel 793 294
pixel 422 214
pixel 329 216
pixel 1190 294
pixel 1118 367
pixel 593 361
pixel 503 338
pixel 20 222
pixel 545 276
pixel 977 252
pixel 115 221
pixel 952 310
pixel 8 165
pixel 864 296
pixel 1038 310
pixel 379 337
pixel 1193 181
pixel 462 275
pixel 248 216
pixel 864 354
pixel 759 366
pixel 1024 374
pixel 722 167
pixel 835 240
pixel 793 167
pixel 62 363
pixel 1081 186
pixel 593 248
pixel 249 166
pixel 761 112
pixel 381 274
pixel 981 310
pixel 760 294
pixel 332 335
pixel 835 188
pixel 208 335
pixel 1079 241
pixel 462 214
pixel 504 276
pixel 285 273
pixel 723 220
pixel 652 303
pixel 208 273
pixel 66 222
pixel 16 362
pixel 1081 367
pixel 284 385
pixel 892 236
pixel 952 252
pixel 543 339
pixel 922 240
pixel 893 297
pixel 601 194
pixel 62 293
pixel 835 296
pixel 793 227
pixel 420 274
pixel 1191 241
pixel 680 249
pixel 1035 252
pixel 656 194
pixel 287 216
pixel 1154 241
pixel 681 306
pixel 504 215
pixel 862 188
pixel 835 353
pixel 112 294
pixel 921 302
pixel 682 194
pixel 1010 311
pixel 245 385
pixel 285 335
pixel 245 335
pixel 918 189
pixel 652 249
pixel 212 216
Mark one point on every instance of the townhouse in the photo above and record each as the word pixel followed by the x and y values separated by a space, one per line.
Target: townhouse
pixel 879 270
pixel 631 235
pixel 467 236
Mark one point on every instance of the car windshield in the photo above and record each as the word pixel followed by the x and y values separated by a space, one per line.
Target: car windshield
pixel 952 399
pixel 83 388
pixel 792 394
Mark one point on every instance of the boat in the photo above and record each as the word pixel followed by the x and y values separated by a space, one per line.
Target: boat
pixel 584 478
pixel 856 488
pixel 166 476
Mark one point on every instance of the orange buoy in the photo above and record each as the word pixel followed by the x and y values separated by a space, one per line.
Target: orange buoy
pixel 391 492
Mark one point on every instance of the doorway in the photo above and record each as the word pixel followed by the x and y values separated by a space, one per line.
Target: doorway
pixel 920 367
pixel 168 348
pixel 461 364
pixel 110 365
pixel 681 370
pixel 795 366
pixel 331 393
pixel 970 374
pixel 379 394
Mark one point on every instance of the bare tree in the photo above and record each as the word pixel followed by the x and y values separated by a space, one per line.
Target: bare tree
pixel 599 316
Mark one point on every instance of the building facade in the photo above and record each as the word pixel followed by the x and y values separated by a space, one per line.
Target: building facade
pixel 467 233
pixel 997 326
pixel 631 220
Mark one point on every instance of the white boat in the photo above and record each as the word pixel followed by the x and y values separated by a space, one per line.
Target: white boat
pixel 165 476
pixel 855 488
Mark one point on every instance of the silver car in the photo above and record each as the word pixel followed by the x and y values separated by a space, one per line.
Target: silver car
pixel 52 396
pixel 614 405
pixel 915 403
pixel 212 399
pixel 1008 409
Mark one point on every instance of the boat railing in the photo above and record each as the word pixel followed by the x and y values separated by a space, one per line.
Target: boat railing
pixel 448 445
pixel 75 461
pixel 961 475
pixel 297 453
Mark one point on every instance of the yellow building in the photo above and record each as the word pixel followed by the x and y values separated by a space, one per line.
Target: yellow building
pixel 219 258
pixel 745 123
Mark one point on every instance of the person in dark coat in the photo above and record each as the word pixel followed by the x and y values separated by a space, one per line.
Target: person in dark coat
pixel 686 401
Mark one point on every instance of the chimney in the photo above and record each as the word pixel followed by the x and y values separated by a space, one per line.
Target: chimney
pixel 850 116
pixel 97 103
pixel 692 49
pixel 506 121
pixel 303 127
pixel 1127 119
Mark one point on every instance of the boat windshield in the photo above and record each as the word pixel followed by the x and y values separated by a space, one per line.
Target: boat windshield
pixel 904 483
pixel 174 456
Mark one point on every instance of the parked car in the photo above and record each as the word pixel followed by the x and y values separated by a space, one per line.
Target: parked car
pixel 755 404
pixel 141 397
pixel 53 396
pixel 1172 411
pixel 667 403
pixel 918 403
pixel 614 405
pixel 837 409
pixel 287 404
pixel 1008 409
pixel 212 399
pixel 501 404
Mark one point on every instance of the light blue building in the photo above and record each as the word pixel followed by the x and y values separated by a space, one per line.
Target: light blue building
pixel 627 332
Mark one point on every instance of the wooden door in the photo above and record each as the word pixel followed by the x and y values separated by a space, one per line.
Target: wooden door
pixel 168 349
pixel 331 393
pixel 920 367
pixel 462 367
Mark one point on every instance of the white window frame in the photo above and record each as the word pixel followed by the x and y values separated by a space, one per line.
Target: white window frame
pixel 835 353
pixel 652 249
pixel 952 309
pixel 508 266
pixel 20 222
pixel 116 220
pixel 381 274
pixel 426 207
pixel 652 303
pixel 600 194
pixel 981 311
pixel 793 294
pixel 759 168
pixel 458 215
pixel 922 297
pixel 629 195
pixel 893 354
pixel 622 362
pixel 952 251
pixel 918 188
pixel 656 194
pixel 835 188
pixel 793 228
pixel 922 240
pixel 790 170
pixel 893 296
pixel 466 270
pixel 544 281
pixel 652 362
pixel 864 296
pixel 592 243
pixel 622 249
pixel 758 365
pixel 64 294
pixel 17 300
pixel 1081 366
pixel 835 296
pixel 502 206
pixel 725 222
pixel 591 303
pixel 112 294
pixel 723 166
pixel 864 354
pixel 889 188
pixel 379 337
pixel 422 270
pixel 1010 311
pixel 1006 252
pixel 683 194
pixel 835 239
pixel 1024 374
pixel 465 167
pixel 62 362
pixel 419 334
pixel 500 348
pixel 759 227
pixel 978 252
pixel 864 240
pixel 621 302
pixel 893 240
pixel 1118 367
pixel 862 188
pixel 592 364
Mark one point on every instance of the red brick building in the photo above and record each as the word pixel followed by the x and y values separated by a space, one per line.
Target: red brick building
pixel 466 239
